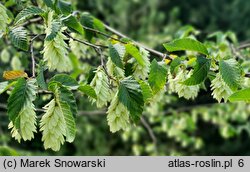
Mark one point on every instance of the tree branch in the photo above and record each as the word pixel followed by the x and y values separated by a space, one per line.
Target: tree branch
pixel 34 20
pixel 242 46
pixel 103 34
pixel 86 43
pixel 150 132
pixel 235 52
pixel 99 51
pixel 32 56
pixel 152 51
pixel 3 106
pixel 247 75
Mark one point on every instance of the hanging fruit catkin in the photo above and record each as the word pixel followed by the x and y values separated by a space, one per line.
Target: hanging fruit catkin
pixel 79 49
pixel 53 126
pixel 176 85
pixel 220 89
pixel 141 71
pixel 113 70
pixel 27 116
pixel 3 18
pixel 118 115
pixel 55 50
pixel 100 84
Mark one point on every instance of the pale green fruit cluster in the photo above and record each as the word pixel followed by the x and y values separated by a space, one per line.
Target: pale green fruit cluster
pixel 154 105
pixel 100 83
pixel 5 56
pixel 3 18
pixel 78 49
pixel 16 63
pixel 113 70
pixel 220 89
pixel 27 124
pixel 141 71
pixel 55 51
pixel 53 126
pixel 27 116
pixel 118 115
pixel 14 132
pixel 176 85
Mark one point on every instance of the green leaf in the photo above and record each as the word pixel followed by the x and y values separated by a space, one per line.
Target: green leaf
pixel 130 95
pixel 62 93
pixel 186 44
pixel 69 120
pixel 40 77
pixel 115 56
pixel 65 80
pixel 157 76
pixel 27 13
pixel 49 3
pixel 68 97
pixel 20 95
pixel 65 7
pixel 175 63
pixel 133 51
pixel 72 23
pixel 146 91
pixel 88 90
pixel 200 72
pixel 242 95
pixel 55 28
pixel 4 86
pixel 18 37
pixel 230 73
pixel 87 21
pixel 98 25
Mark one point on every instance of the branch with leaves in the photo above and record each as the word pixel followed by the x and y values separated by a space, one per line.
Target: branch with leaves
pixel 127 79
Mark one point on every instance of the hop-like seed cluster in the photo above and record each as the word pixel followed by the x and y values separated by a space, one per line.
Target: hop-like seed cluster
pixel 55 51
pixel 220 89
pixel 27 116
pixel 53 126
pixel 100 84
pixel 27 124
pixel 113 70
pixel 141 71
pixel 16 63
pixel 77 48
pixel 154 105
pixel 118 115
pixel 175 85
pixel 14 132
pixel 3 18
pixel 5 56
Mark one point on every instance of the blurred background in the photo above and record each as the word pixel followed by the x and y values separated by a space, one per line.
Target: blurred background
pixel 179 126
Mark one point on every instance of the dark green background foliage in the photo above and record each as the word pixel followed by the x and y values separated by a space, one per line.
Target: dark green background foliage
pixel 182 127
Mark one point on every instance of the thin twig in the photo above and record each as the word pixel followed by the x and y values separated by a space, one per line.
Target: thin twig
pixel 247 75
pixel 103 34
pixel 242 46
pixel 99 51
pixel 32 56
pixel 150 131
pixel 3 106
pixel 235 52
pixel 86 43
pixel 152 51
pixel 45 92
pixel 34 20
